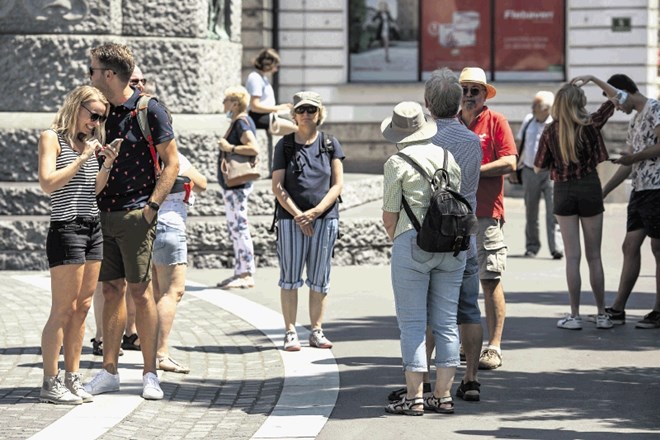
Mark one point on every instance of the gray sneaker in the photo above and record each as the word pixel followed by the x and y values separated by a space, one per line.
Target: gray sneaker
pixel 54 391
pixel 317 339
pixel 73 383
pixel 103 382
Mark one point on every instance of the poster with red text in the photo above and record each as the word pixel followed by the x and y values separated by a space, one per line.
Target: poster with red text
pixel 529 40
pixel 455 34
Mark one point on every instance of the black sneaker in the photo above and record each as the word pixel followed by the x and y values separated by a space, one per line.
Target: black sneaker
pixel 469 391
pixel 617 317
pixel 652 320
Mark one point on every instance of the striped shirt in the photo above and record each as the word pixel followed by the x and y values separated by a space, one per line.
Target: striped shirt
pixel 402 180
pixel 466 148
pixel 590 148
pixel 78 197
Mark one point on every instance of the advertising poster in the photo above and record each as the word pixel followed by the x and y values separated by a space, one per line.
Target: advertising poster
pixel 455 34
pixel 383 40
pixel 529 40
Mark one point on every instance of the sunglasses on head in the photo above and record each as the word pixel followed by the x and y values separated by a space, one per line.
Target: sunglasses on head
pixel 135 82
pixel 309 109
pixel 95 116
pixel 471 91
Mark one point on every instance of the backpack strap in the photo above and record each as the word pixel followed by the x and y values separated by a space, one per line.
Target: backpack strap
pixel 406 206
pixel 141 113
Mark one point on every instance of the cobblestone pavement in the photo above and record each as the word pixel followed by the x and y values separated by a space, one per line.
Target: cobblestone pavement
pixel 235 380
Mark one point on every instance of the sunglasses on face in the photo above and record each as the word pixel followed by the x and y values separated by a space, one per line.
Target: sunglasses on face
pixel 135 82
pixel 95 116
pixel 309 109
pixel 92 69
pixel 471 91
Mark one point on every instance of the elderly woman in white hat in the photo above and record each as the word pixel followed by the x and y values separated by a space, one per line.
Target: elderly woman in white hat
pixel 308 178
pixel 426 285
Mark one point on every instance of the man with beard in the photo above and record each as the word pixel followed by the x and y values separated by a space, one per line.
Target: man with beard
pixel 499 158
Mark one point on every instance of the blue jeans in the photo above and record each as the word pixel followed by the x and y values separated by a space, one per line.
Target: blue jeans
pixel 426 288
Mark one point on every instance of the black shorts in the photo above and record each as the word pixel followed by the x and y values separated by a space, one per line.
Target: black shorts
pixel 261 120
pixel 74 242
pixel 581 197
pixel 644 212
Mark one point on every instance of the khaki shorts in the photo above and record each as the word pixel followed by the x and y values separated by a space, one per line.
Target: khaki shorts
pixel 127 243
pixel 491 249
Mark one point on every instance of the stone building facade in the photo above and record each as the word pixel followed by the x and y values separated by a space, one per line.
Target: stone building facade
pixel 192 50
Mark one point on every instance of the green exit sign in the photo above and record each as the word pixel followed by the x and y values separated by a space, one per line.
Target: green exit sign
pixel 620 24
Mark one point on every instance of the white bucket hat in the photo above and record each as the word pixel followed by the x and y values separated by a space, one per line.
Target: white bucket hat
pixel 477 75
pixel 408 123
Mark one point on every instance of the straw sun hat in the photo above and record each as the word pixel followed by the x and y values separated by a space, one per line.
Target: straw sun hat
pixel 408 123
pixel 478 76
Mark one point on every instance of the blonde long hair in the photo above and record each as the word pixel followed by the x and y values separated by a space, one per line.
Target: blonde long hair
pixel 66 119
pixel 570 113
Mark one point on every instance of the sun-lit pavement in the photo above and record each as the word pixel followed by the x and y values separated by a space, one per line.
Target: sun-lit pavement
pixel 554 384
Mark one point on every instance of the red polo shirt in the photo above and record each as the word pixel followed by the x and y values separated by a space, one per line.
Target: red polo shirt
pixel 496 141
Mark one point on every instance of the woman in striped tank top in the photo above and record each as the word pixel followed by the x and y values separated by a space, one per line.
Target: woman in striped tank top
pixel 69 172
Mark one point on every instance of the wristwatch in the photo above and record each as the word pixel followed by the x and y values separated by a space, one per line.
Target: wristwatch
pixel 153 205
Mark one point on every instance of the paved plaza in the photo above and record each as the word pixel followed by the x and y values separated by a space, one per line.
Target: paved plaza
pixel 554 384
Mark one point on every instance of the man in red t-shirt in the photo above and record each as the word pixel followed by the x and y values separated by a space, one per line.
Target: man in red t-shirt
pixel 499 158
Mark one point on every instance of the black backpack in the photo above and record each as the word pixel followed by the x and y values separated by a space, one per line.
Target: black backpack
pixel 449 220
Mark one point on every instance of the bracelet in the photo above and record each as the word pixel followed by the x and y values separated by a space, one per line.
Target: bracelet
pixel 107 169
pixel 233 149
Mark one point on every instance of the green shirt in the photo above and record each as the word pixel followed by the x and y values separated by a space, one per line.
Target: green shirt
pixel 401 179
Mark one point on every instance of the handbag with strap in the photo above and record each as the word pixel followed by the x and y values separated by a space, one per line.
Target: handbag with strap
pixel 519 164
pixel 238 169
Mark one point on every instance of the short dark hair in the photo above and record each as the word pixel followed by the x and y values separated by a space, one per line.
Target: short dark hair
pixel 623 82
pixel 266 60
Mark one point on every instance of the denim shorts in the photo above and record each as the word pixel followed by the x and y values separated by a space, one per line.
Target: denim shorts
pixel 468 300
pixel 581 197
pixel 644 212
pixel 170 247
pixel 74 242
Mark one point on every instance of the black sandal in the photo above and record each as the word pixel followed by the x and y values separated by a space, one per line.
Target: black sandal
pixel 436 404
pixel 396 395
pixel 128 342
pixel 405 407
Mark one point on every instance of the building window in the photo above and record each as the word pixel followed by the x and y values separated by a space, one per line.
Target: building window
pixel 405 40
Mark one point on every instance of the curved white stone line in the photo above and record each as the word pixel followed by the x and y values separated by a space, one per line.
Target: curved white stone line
pixel 311 380
pixel 311 376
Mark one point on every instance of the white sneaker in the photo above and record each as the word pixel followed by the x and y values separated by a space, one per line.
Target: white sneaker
pixel 291 342
pixel 151 387
pixel 73 383
pixel 604 321
pixel 103 382
pixel 570 322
